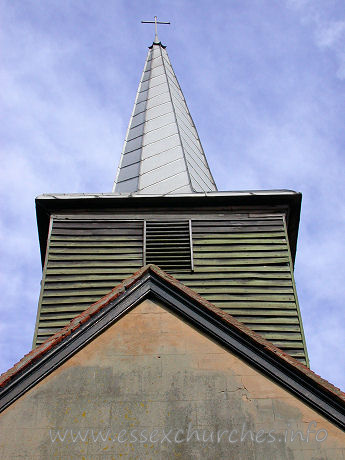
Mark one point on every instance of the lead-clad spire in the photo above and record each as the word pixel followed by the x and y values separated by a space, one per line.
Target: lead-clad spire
pixel 162 153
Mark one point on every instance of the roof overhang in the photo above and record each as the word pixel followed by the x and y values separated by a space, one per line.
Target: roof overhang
pixel 152 282
pixel 286 201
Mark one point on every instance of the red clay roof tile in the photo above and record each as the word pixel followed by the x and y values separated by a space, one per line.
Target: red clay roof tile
pixel 42 349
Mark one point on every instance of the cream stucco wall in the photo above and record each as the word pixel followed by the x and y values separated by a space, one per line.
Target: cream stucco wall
pixel 152 373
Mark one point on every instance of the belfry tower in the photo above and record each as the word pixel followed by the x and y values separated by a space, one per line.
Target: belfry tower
pixel 168 323
pixel 236 249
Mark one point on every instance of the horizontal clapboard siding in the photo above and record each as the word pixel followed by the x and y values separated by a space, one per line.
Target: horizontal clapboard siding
pixel 85 260
pixel 241 263
pixel 242 266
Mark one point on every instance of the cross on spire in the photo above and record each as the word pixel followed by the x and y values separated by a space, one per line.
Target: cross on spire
pixel 155 22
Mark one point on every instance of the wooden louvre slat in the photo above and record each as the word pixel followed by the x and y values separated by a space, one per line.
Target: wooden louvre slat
pixel 168 245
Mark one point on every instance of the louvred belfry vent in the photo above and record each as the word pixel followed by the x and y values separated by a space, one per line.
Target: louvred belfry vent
pixel 168 244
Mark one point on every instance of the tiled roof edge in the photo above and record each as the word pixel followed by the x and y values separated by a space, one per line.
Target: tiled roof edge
pixel 82 318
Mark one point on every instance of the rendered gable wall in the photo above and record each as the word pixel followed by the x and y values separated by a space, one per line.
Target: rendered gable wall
pixel 153 371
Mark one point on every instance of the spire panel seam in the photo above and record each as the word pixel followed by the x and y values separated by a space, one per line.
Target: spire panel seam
pixel 152 131
pixel 135 131
pixel 179 173
pixel 202 150
pixel 201 173
pixel 195 148
pixel 156 86
pixel 149 144
pixel 157 71
pixel 191 150
pixel 176 91
pixel 163 151
pixel 160 159
pixel 187 189
pixel 133 144
pixel 183 109
pixel 152 112
pixel 180 105
pixel 191 147
pixel 156 62
pixel 156 57
pixel 183 116
pixel 128 186
pixel 137 120
pixel 142 96
pixel 161 166
pixel 130 164
pixel 156 123
pixel 196 174
pixel 182 112
pixel 189 133
pixel 139 108
pixel 134 113
pixel 175 178
pixel 144 85
pixel 157 91
pixel 170 75
pixel 130 174
pixel 201 188
pixel 197 168
pixel 146 76
pixel 190 182
pixel 143 134
pixel 174 82
pixel 204 186
pixel 167 61
pixel 157 78
pixel 156 147
pixel 158 100
pixel 159 133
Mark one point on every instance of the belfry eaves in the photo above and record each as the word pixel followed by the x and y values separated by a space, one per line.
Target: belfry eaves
pixel 162 153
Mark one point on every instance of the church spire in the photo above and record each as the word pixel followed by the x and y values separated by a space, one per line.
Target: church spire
pixel 162 153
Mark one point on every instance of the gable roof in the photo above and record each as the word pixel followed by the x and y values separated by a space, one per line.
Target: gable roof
pixel 151 281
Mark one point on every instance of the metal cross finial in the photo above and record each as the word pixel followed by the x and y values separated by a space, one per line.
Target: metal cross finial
pixel 155 22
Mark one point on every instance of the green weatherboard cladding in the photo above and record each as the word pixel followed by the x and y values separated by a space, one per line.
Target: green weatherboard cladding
pixel 240 261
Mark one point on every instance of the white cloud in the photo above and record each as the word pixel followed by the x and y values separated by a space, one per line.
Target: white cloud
pixel 329 33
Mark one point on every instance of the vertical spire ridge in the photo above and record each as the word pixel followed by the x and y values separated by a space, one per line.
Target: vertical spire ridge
pixel 162 153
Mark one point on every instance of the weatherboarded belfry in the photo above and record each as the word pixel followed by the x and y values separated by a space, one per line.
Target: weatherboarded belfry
pixel 167 306
pixel 234 249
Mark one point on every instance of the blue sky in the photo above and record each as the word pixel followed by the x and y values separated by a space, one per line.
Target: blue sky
pixel 264 82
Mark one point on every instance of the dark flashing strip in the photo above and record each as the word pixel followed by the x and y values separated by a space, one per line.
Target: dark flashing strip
pixel 151 282
pixel 159 44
